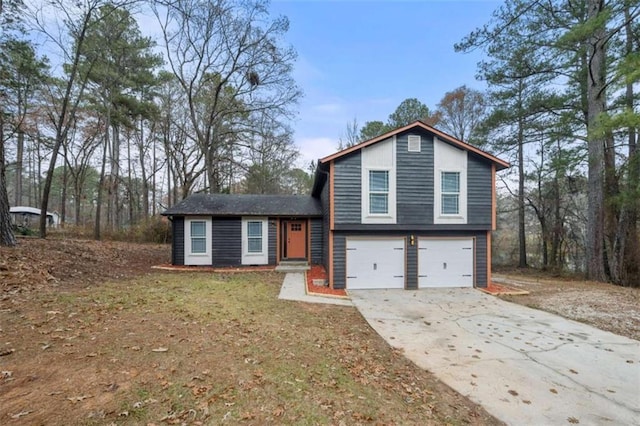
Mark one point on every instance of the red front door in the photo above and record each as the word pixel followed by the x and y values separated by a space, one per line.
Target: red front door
pixel 296 239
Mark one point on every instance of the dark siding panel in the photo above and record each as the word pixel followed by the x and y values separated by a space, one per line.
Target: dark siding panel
pixel 227 241
pixel 414 180
pixel 339 261
pixel 177 245
pixel 272 243
pixel 348 185
pixel 481 260
pixel 324 198
pixel 412 264
pixel 478 191
pixel 316 241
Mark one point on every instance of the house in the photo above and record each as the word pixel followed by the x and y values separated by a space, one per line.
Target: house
pixel 412 208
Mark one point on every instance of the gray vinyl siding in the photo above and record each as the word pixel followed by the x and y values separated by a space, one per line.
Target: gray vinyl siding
pixel 324 198
pixel 227 241
pixel 177 245
pixel 411 272
pixel 317 237
pixel 273 240
pixel 339 261
pixel 347 183
pixel 414 180
pixel 478 191
pixel 481 260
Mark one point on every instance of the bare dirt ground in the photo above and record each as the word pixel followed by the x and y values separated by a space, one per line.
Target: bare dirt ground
pixel 90 334
pixel 605 306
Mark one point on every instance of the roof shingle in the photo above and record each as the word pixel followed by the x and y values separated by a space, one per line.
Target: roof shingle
pixel 246 205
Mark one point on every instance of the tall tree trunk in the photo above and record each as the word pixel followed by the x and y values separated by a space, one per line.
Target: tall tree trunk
pixel 130 186
pixel 143 172
pixel 96 228
pixel 77 194
pixel 114 201
pixel 631 208
pixel 595 147
pixel 153 184
pixel 63 202
pixel 522 242
pixel 19 167
pixel 558 225
pixel 6 231
pixel 46 190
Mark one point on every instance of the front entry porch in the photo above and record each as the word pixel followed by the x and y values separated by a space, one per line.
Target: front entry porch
pixel 294 239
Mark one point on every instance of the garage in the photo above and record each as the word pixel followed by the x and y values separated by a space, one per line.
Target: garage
pixel 375 263
pixel 445 262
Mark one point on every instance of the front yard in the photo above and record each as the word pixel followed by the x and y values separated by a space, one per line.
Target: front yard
pixel 174 348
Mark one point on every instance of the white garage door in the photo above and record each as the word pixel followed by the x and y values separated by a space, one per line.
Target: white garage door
pixel 375 263
pixel 445 262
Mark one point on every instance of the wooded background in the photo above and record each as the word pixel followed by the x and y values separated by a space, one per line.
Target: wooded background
pixel 108 127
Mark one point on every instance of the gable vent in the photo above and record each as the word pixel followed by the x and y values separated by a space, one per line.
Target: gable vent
pixel 414 143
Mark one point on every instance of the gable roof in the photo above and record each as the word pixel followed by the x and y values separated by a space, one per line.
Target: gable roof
pixel 500 164
pixel 246 205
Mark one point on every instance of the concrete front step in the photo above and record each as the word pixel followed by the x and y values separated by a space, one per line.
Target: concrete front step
pixel 293 266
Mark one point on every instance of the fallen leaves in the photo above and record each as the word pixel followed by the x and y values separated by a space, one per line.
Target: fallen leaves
pixel 80 398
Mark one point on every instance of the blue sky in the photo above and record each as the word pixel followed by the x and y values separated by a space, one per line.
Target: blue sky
pixel 360 59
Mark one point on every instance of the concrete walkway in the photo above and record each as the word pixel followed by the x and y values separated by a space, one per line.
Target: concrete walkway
pixel 294 288
pixel 526 367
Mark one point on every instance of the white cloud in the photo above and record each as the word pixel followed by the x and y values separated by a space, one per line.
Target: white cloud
pixel 312 148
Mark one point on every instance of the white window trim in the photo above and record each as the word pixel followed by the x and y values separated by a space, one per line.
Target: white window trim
pixel 451 193
pixel 261 258
pixel 379 192
pixel 191 258
pixel 449 159
pixel 390 217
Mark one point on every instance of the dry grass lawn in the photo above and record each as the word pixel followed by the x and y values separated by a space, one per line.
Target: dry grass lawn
pixel 605 306
pixel 193 348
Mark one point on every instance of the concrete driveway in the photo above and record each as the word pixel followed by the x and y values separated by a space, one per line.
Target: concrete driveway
pixel 525 366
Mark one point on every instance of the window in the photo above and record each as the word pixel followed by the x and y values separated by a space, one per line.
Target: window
pixel 450 192
pixel 296 227
pixel 254 237
pixel 414 143
pixel 378 191
pixel 198 237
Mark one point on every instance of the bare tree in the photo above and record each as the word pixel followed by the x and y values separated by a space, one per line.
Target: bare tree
pixel 461 112
pixel 226 56
pixel 351 135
